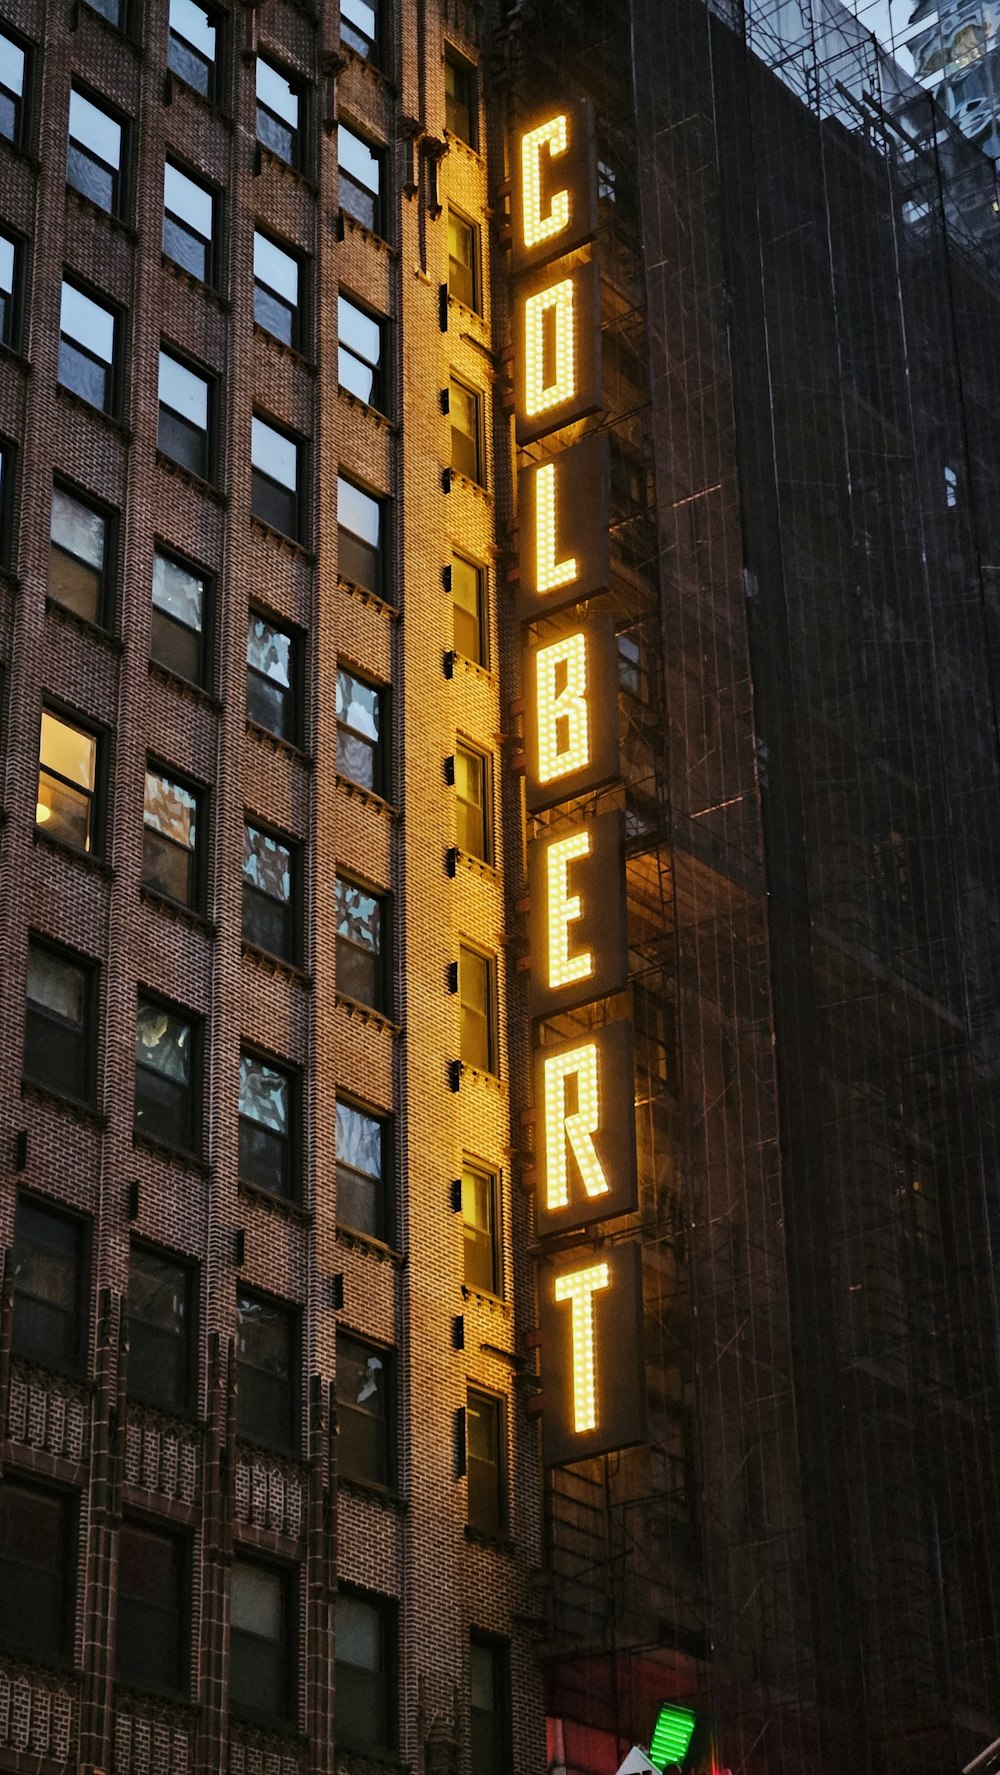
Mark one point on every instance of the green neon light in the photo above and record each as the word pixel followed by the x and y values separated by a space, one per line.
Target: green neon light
pixel 672 1734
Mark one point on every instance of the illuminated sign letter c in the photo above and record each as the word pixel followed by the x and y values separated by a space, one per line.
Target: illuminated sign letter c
pixel 536 228
pixel 579 1288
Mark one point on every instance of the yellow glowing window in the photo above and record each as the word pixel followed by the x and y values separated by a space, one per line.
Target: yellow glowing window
pixel 67 781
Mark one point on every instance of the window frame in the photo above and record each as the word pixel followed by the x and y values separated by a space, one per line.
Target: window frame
pixel 475 267
pixel 477 438
pixel 380 748
pixel 210 94
pixel 299 327
pixel 468 72
pixel 291 1140
pixel 107 574
pixel 379 198
pixel 490 1174
pixel 166 1531
pixel 384 1479
pixel 209 472
pixel 58 1653
pixel 383 1185
pixel 466 747
pixel 382 998
pixel 481 657
pixel 299 131
pixel 387 1700
pixel 372 56
pixel 380 551
pixel 112 368
pixel 289 1576
pixel 293 691
pixel 467 947
pixel 75 1363
pixel 213 242
pixel 22 102
pixel 499 1406
pixel 198 852
pixel 97 810
pixel 122 23
pixel 206 650
pixel 188 1268
pixel 194 1089
pixel 378 400
pixel 12 328
pixel 292 957
pixel 291 1435
pixel 501 1714
pixel 8 470
pixel 89 1029
pixel 297 495
pixel 120 204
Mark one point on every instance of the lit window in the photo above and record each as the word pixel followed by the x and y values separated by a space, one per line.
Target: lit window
pixel 361 944
pixel 266 1126
pixel 360 536
pixel 185 415
pixel 58 1023
pixel 87 346
pixel 48 1288
pixel 10 254
pixel 94 158
pixel 463 260
pixel 192 46
pixel 467 589
pixel 277 290
pixel 361 179
pixel 472 793
pixel 270 896
pixel 78 556
pixel 278 113
pixel 487 1507
pixel 360 719
pixel 13 83
pixel 365 1684
pixel 362 1171
pixel 481 1221
pixel 166 1068
pixel 177 636
pixel 477 998
pixel 262 1637
pixel 271 677
pixel 276 477
pixel 151 1632
pixel 170 839
pixel 37 1559
pixel 364 1410
pixel 360 353
pixel 461 99
pixel 188 222
pixel 465 409
pixel 66 804
pixel 359 20
pixel 160 1329
pixel 265 1364
pixel 489 1707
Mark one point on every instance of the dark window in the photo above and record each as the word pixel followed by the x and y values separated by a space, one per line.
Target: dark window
pixel 270 892
pixel 112 10
pixel 177 633
pixel 271 678
pixel 360 353
pixel 58 1019
pixel 266 1408
pixel 66 805
pixel 485 1440
pixel 188 222
pixel 150 1631
pixel 360 731
pixel 361 944
pixel 489 1707
pixel 261 1642
pixel 10 271
pixel 362 178
pixel 463 260
pixel 359 21
pixel 13 85
pixel 362 1171
pixel 88 338
pixel 364 1410
pixel 166 1076
pixel 6 499
pixel 48 1287
pixel 365 1684
pixel 160 1329
pixel 472 794
pixel 277 290
pixel 36 1588
pixel 96 153
pixel 360 518
pixel 170 839
pixel 477 996
pixel 468 601
pixel 279 112
pixel 481 1220
pixel 465 408
pixel 276 463
pixel 79 555
pixel 461 98
pixel 193 45
pixel 183 431
pixel 267 1126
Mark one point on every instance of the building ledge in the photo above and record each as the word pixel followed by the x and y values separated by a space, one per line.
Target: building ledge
pixel 195 693
pixel 373 1493
pixel 171 466
pixel 368 1014
pixel 369 1246
pixel 367 796
pixel 175 909
pixel 279 348
pixel 290 544
pixel 93 630
pixel 174 1155
pixel 277 965
pixel 281 1205
pixel 197 285
pixel 109 421
pixel 83 859
pixel 71 1106
pixel 366 596
pixel 278 744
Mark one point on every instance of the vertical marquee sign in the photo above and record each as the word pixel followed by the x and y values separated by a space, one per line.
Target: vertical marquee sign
pixel 584 1090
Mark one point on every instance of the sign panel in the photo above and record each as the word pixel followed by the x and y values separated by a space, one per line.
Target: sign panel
pixel 564 551
pixel 593 1379
pixel 585 1149
pixel 557 348
pixel 576 880
pixel 571 713
pixel 553 185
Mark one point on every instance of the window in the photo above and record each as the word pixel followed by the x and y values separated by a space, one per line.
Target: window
pixel 360 731
pixel 151 1597
pixel 278 113
pixel 468 605
pixel 95 155
pixel 10 254
pixel 193 46
pixel 170 839
pixel 359 536
pixel 364 1410
pixel 166 1072
pixel 362 177
pixel 361 944
pixel 112 10
pixel 48 1287
pixel 465 408
pixel 267 1126
pixel 277 297
pixel 183 432
pixel 160 1329
pixel 477 996
pixel 88 338
pixel 37 1604
pixel 484 1448
pixel 66 805
pixel 365 1691
pixel 177 633
pixel 271 678
pixel 276 462
pixel 461 98
pixel 188 222
pixel 13 84
pixel 265 1367
pixel 58 1023
pixel 472 793
pixel 6 499
pixel 270 892
pixel 481 1220
pixel 79 555
pixel 362 1171
pixel 360 353
pixel 463 260
pixel 359 21
pixel 261 1641
pixel 489 1706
